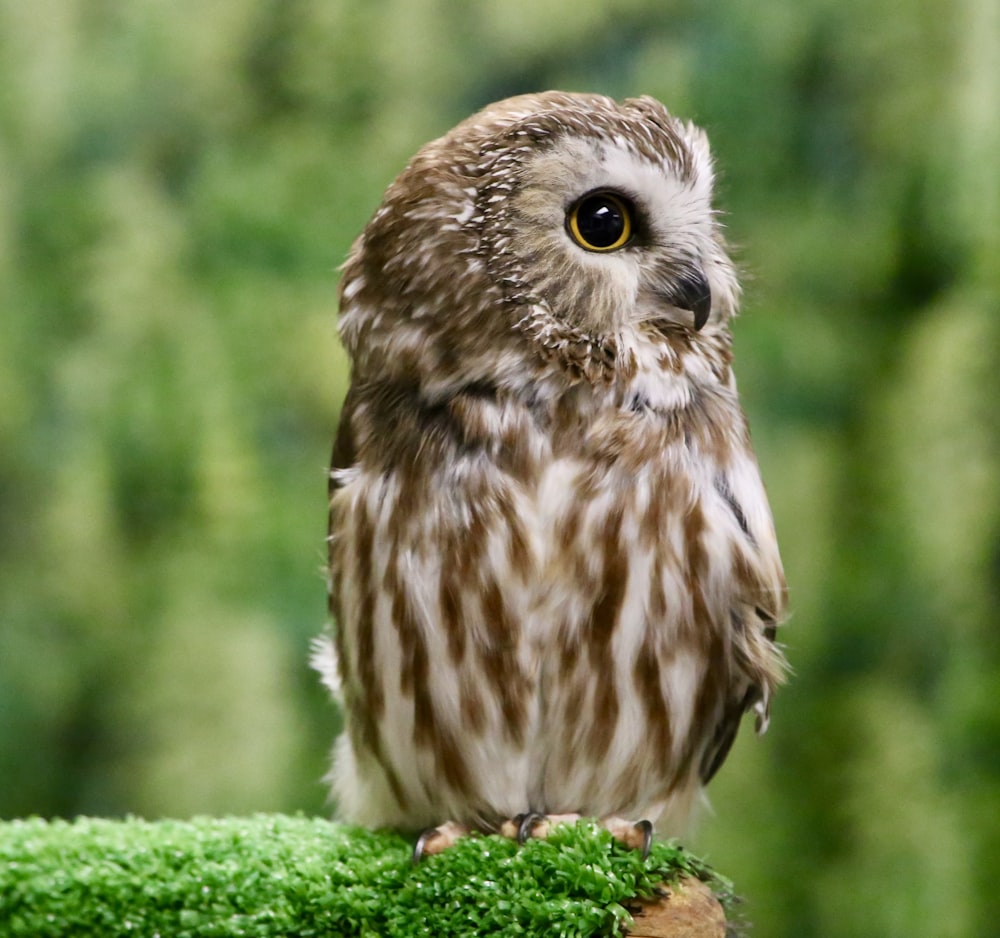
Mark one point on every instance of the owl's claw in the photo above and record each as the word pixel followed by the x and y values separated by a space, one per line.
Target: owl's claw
pixel 420 847
pixel 437 839
pixel 637 836
pixel 645 828
pixel 523 827
pixel 526 824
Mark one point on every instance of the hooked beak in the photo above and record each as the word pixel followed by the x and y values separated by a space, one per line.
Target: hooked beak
pixel 691 292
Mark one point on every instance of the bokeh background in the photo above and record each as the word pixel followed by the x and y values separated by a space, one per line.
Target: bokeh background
pixel 178 183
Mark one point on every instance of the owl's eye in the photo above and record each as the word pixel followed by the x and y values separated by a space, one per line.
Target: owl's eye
pixel 601 221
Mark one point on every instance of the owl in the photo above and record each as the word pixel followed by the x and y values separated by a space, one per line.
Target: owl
pixel 553 570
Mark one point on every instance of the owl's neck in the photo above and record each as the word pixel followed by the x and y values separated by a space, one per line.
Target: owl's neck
pixel 618 358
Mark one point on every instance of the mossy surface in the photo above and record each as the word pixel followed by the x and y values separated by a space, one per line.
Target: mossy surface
pixel 278 875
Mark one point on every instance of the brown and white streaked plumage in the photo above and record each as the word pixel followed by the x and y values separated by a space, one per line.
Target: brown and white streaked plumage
pixel 553 568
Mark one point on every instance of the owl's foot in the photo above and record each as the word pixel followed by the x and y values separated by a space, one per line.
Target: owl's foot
pixel 532 824
pixel 437 839
pixel 635 836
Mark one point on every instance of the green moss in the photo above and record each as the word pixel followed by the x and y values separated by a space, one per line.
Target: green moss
pixel 279 875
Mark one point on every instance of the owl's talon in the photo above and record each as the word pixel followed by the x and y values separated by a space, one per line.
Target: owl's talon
pixel 645 828
pixel 437 839
pixel 637 836
pixel 420 846
pixel 526 825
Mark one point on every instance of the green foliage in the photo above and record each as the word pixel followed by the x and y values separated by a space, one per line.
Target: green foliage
pixel 178 183
pixel 280 875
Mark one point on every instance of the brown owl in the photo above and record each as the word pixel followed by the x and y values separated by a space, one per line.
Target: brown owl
pixel 553 569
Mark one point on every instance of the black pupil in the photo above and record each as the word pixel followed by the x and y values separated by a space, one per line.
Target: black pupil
pixel 600 221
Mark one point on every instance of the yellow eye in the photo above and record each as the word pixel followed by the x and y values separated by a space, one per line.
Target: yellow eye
pixel 601 221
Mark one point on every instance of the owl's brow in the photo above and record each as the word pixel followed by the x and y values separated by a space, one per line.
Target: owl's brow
pixel 649 140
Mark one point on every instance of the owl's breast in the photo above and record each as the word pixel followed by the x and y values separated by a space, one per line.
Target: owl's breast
pixel 526 598
pixel 641 567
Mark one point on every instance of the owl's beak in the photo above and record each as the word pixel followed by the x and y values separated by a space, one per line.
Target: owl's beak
pixel 692 292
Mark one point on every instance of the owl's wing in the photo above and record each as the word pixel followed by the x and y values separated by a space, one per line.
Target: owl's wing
pixel 725 735
pixel 757 663
pixel 744 698
pixel 343 457
pixel 344 450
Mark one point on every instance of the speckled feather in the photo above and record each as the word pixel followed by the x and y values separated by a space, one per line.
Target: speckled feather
pixel 553 569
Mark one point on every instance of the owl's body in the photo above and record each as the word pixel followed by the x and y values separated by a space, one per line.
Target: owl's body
pixel 553 568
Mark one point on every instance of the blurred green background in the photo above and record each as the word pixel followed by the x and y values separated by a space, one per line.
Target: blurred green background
pixel 178 183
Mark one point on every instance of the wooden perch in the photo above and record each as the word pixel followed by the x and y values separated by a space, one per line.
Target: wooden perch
pixel 688 909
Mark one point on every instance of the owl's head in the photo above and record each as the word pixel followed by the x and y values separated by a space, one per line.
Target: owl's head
pixel 559 224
